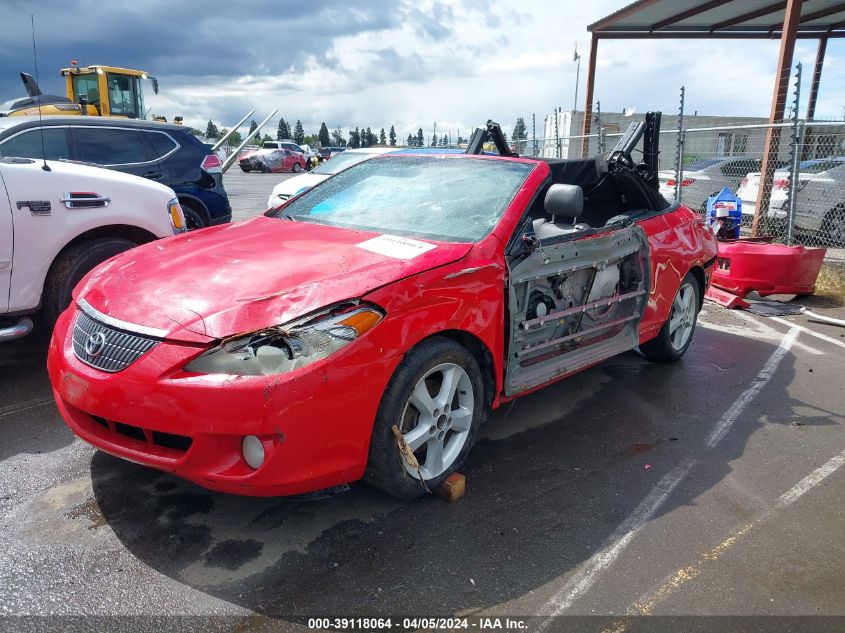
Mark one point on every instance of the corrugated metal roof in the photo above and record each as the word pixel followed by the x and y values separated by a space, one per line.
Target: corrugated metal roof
pixel 720 18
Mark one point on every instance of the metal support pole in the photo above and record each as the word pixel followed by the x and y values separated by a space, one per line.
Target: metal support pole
pixel 234 128
pixel 771 146
pixel 794 158
pixel 588 102
pixel 234 155
pixel 534 133
pixel 600 143
pixel 679 149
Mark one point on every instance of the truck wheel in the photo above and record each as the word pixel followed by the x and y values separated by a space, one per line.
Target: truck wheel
pixel 193 218
pixel 70 267
pixel 833 225
pixel 297 168
pixel 436 400
pixel 676 334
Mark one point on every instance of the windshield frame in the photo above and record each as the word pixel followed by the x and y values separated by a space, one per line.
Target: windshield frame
pixel 282 211
pixel 364 156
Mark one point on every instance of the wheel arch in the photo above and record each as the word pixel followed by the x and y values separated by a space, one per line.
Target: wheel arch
pixel 188 200
pixel 121 231
pixel 698 273
pixel 480 352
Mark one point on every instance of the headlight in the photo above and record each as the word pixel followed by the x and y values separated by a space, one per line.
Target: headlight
pixel 283 348
pixel 177 216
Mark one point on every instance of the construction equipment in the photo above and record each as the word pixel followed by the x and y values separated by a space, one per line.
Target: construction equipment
pixel 90 90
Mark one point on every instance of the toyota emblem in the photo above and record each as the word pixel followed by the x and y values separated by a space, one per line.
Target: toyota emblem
pixel 95 344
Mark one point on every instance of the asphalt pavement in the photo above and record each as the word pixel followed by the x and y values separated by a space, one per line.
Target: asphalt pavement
pixel 712 486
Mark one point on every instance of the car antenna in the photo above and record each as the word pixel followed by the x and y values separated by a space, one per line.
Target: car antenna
pixel 45 166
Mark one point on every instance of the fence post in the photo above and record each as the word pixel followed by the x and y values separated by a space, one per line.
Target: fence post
pixel 600 139
pixel 679 150
pixel 794 157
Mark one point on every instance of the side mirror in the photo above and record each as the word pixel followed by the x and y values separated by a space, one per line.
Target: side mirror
pixel 565 201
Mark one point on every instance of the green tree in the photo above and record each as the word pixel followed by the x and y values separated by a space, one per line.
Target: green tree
pixel 323 135
pixel 420 138
pixel 363 139
pixel 354 139
pixel 282 130
pixel 211 130
pixel 252 126
pixel 234 139
pixel 520 133
pixel 411 140
pixel 337 138
pixel 392 136
pixel 267 137
pixel 382 138
pixel 434 140
pixel 372 139
pixel 298 133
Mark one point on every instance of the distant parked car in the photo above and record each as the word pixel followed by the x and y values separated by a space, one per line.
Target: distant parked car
pixel 273 156
pixel 819 199
pixel 704 178
pixel 294 186
pixel 56 225
pixel 166 153
pixel 326 153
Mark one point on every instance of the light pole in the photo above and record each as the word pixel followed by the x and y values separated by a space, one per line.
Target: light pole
pixel 576 57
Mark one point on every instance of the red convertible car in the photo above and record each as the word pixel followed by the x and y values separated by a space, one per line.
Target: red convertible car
pixel 364 329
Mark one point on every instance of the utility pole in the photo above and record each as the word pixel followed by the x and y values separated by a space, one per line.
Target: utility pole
pixel 576 57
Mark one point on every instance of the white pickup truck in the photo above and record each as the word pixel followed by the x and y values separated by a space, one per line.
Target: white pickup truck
pixel 58 222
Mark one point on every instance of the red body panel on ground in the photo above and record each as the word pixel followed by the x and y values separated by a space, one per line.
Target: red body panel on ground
pixel 744 266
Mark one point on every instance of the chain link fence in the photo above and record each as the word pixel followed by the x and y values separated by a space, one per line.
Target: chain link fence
pixel 802 202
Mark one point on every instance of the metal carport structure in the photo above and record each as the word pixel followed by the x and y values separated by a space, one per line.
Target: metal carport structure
pixel 786 20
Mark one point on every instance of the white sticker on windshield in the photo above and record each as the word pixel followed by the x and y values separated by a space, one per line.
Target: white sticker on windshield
pixel 398 247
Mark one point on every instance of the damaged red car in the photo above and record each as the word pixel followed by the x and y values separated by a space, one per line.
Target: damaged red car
pixel 365 328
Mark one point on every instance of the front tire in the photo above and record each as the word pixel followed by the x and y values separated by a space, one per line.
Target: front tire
pixel 70 267
pixel 436 399
pixel 676 334
pixel 297 168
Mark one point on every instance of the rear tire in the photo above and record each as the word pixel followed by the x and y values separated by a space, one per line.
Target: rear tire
pixel 297 168
pixel 676 334
pixel 436 399
pixel 70 267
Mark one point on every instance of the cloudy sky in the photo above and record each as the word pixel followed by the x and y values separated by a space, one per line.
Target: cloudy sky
pixel 381 62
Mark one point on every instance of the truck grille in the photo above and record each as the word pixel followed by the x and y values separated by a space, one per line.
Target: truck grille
pixel 107 348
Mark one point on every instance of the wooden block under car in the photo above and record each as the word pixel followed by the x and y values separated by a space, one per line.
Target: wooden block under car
pixel 452 488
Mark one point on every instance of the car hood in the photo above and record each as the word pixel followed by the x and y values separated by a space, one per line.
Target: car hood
pixel 245 276
pixel 293 186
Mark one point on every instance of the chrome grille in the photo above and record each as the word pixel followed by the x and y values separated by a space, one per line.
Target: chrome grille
pixel 105 347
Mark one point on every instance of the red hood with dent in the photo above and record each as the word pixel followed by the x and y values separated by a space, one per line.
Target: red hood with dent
pixel 245 276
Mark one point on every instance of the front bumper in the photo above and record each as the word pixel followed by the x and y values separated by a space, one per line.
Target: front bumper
pixel 315 423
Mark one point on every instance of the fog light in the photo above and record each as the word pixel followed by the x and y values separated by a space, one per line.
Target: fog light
pixel 253 451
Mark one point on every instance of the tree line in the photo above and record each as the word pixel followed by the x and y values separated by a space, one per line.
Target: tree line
pixel 359 137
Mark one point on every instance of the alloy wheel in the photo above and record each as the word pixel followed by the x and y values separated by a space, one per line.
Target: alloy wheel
pixel 437 419
pixel 682 316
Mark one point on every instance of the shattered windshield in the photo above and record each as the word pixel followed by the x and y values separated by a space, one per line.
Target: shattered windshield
pixel 341 162
pixel 448 199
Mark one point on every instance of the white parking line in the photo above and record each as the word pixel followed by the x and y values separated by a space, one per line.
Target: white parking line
pixel 691 572
pixel 761 380
pixel 807 330
pixel 584 578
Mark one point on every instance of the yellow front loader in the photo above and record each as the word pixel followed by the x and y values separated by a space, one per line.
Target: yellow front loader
pixel 90 90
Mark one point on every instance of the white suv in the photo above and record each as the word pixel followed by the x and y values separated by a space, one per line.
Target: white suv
pixel 58 220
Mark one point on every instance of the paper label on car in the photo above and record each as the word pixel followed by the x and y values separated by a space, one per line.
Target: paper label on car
pixel 395 246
